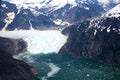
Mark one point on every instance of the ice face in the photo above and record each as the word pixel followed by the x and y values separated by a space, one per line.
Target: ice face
pixel 46 41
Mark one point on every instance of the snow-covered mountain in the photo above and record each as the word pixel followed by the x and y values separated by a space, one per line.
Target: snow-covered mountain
pixel 63 12
pixel 110 20
pixel 50 4
pixel 42 14
pixel 12 18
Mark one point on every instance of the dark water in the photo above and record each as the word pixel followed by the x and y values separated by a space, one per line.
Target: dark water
pixel 71 68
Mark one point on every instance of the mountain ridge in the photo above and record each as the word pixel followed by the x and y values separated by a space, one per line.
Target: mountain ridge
pixel 65 15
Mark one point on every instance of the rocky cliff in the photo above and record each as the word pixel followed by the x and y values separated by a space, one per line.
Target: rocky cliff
pixel 10 68
pixel 12 46
pixel 98 39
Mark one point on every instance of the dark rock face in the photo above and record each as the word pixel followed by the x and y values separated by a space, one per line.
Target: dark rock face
pixel 12 69
pixel 25 19
pixel 12 46
pixel 4 10
pixel 99 39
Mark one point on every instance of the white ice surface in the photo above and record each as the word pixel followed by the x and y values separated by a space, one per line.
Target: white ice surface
pixel 46 41
pixel 115 12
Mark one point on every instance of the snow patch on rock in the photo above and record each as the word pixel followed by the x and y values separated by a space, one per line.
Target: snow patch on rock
pixel 8 19
pixel 60 22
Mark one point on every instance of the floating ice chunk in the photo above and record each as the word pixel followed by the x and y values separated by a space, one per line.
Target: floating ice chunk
pixel 88 75
pixel 54 70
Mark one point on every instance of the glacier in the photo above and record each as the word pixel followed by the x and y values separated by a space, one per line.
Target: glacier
pixel 46 41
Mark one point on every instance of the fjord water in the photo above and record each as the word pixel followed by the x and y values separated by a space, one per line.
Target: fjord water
pixel 65 67
pixel 52 66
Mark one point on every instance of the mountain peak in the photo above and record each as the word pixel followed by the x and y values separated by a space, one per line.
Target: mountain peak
pixel 48 3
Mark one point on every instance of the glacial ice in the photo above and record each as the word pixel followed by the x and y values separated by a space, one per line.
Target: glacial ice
pixel 46 41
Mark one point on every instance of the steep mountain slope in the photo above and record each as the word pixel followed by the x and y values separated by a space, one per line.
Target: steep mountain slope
pixel 77 13
pixel 10 68
pixel 26 20
pixel 44 14
pixel 7 14
pixel 11 18
pixel 12 46
pixel 98 39
pixel 63 12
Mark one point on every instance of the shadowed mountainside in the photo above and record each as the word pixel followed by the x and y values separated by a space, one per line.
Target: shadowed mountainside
pixel 10 68
pixel 99 39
